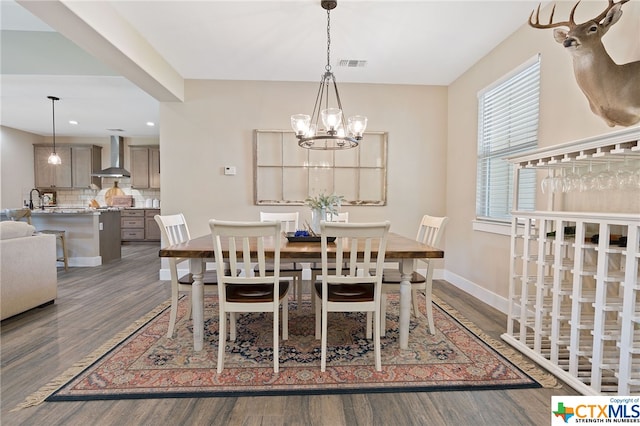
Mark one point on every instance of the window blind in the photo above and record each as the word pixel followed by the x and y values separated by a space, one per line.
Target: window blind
pixel 508 113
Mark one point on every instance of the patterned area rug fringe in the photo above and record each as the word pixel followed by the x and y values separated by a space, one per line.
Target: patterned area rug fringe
pixel 546 379
pixel 47 390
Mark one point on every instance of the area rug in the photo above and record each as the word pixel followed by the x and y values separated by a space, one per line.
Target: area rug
pixel 141 362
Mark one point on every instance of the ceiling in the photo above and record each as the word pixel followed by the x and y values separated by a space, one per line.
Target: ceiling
pixel 403 42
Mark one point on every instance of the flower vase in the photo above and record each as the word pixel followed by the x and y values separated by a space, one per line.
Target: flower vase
pixel 316 216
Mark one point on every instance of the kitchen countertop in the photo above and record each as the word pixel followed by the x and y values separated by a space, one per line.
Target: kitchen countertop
pixel 83 210
pixel 71 210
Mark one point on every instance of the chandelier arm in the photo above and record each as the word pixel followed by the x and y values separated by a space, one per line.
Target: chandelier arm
pixel 315 116
pixel 335 88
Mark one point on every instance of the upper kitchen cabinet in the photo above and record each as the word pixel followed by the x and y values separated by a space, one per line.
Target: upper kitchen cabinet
pixel 85 160
pixel 78 163
pixel 49 175
pixel 145 167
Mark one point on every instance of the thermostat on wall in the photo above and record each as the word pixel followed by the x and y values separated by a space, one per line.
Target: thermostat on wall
pixel 230 170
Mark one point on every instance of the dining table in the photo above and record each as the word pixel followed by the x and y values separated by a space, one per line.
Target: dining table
pixel 405 251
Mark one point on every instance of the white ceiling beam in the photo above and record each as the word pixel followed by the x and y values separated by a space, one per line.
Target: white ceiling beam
pixel 98 29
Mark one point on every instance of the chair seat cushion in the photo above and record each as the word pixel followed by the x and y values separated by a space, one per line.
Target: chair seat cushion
pixel 284 267
pixel 390 276
pixel 347 292
pixel 255 292
pixel 210 278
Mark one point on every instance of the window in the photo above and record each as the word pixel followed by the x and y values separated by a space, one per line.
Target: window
pixel 507 124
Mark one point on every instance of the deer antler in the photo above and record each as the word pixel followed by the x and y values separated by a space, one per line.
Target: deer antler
pixel 611 4
pixel 570 23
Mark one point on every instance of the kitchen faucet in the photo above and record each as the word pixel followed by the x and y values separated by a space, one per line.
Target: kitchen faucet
pixel 31 198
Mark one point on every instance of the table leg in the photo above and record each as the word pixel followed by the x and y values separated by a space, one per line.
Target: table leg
pixel 406 269
pixel 196 266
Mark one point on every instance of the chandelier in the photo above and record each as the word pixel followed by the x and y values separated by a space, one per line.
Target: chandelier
pixel 54 158
pixel 337 133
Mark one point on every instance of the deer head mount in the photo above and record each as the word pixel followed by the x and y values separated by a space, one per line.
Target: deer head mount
pixel 613 90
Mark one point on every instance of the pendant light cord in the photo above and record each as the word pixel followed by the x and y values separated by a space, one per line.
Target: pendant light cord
pixel 53 108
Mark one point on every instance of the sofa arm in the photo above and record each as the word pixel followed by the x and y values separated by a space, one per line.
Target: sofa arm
pixel 28 274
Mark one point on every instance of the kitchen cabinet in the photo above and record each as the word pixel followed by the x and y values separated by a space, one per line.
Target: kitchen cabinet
pixel 85 160
pixel 151 228
pixel 574 302
pixel 145 167
pixel 110 236
pixel 138 225
pixel 78 163
pixel 49 175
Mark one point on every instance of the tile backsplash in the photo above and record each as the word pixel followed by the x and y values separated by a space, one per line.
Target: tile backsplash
pixel 82 197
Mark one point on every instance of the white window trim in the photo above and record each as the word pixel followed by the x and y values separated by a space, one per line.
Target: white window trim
pixel 486 224
pixel 500 228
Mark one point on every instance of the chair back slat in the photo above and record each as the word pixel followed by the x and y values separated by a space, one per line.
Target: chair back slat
pixel 431 230
pixel 352 240
pixel 289 220
pixel 342 217
pixel 173 228
pixel 246 242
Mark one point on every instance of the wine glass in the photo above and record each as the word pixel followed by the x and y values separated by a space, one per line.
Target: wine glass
pixel 547 183
pixel 606 178
pixel 571 180
pixel 625 177
pixel 589 180
pixel 558 181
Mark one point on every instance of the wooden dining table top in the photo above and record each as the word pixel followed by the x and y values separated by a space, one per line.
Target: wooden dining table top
pixel 398 247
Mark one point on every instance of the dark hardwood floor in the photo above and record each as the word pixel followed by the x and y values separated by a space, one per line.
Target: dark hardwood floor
pixel 95 303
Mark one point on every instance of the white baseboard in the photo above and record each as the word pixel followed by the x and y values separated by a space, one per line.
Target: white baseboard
pixel 492 299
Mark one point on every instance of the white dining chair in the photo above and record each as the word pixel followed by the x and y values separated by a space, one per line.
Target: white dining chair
pixel 262 292
pixel 291 270
pixel 430 232
pixel 174 230
pixel 316 267
pixel 343 290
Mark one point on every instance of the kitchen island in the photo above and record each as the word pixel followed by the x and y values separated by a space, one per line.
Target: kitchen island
pixel 92 236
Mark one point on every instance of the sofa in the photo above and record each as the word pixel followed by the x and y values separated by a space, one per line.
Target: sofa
pixel 28 274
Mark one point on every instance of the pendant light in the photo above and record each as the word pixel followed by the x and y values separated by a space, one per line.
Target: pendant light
pixel 54 158
pixel 336 134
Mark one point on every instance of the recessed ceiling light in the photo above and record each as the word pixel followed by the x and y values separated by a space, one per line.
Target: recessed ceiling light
pixel 150 123
pixel 74 122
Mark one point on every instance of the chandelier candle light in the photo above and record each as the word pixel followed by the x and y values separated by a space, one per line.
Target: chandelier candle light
pixel 54 158
pixel 337 134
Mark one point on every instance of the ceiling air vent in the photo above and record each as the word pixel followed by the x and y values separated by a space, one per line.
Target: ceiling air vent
pixel 352 63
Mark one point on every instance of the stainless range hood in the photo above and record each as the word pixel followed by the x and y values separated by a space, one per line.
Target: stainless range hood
pixel 117 160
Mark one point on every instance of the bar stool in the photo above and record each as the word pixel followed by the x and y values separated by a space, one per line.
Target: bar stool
pixel 25 214
pixel 60 235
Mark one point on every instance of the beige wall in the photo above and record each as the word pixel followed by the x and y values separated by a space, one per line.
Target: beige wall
pixel 214 127
pixel 479 261
pixel 16 165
